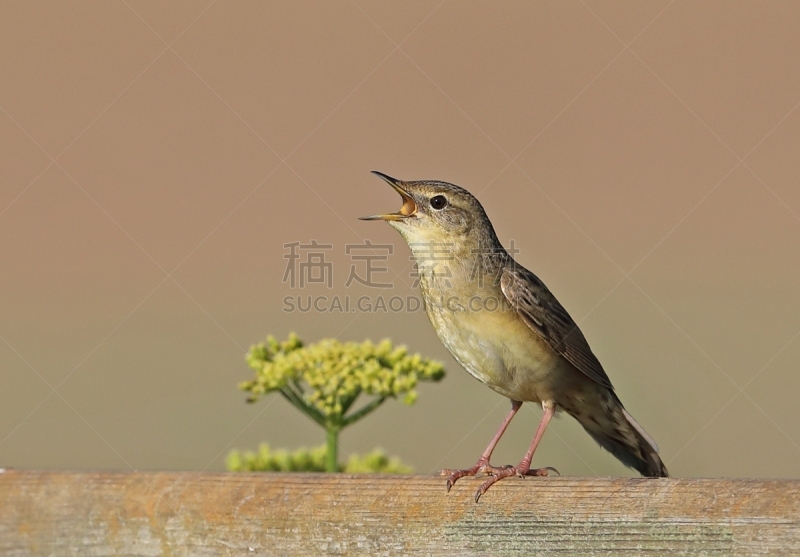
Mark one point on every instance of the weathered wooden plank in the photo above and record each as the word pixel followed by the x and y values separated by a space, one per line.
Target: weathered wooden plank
pixel 181 514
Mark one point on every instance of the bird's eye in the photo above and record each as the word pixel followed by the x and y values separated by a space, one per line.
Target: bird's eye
pixel 439 202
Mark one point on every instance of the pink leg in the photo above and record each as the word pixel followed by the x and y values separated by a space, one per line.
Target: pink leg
pixel 549 409
pixel 524 467
pixel 483 462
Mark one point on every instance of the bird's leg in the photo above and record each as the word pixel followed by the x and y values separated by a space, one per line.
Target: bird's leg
pixel 524 467
pixel 483 466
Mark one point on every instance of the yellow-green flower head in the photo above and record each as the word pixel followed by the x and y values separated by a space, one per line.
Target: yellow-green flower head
pixel 329 374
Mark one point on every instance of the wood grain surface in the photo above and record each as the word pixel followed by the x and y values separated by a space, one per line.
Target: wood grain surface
pixel 183 513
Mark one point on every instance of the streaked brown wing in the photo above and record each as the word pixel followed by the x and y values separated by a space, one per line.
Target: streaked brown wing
pixel 541 311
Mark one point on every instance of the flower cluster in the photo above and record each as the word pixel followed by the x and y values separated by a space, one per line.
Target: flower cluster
pixel 312 460
pixel 325 379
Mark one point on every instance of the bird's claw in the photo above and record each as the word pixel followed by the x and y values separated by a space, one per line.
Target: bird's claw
pixel 496 474
pixel 508 471
pixel 481 468
pixel 454 475
pixel 538 472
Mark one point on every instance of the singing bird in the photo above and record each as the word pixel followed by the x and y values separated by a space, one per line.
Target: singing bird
pixel 502 325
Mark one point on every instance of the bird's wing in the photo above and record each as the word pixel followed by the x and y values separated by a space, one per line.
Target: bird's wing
pixel 547 317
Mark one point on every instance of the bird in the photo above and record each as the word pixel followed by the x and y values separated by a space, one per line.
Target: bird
pixel 504 326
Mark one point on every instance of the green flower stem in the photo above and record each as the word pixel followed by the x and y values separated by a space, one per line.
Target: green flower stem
pixel 332 456
pixel 363 411
pixel 298 402
pixel 347 402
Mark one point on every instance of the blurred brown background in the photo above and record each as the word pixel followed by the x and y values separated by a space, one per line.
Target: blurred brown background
pixel 156 157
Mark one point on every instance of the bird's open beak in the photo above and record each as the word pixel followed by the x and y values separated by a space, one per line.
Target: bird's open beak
pixel 409 206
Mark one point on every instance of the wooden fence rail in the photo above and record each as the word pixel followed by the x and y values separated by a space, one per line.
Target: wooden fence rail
pixel 182 514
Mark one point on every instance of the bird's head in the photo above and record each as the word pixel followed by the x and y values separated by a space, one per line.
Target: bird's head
pixel 435 211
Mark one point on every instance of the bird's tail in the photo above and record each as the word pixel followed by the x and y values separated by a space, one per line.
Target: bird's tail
pixel 617 432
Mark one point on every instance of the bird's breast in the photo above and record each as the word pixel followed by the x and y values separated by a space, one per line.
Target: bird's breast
pixel 489 339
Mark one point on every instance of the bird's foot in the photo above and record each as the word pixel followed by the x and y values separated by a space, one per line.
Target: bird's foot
pixel 480 469
pixel 509 471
